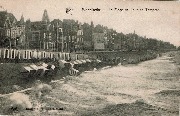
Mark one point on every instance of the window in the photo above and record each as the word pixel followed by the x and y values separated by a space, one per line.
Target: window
pixel 44 35
pixel 8 32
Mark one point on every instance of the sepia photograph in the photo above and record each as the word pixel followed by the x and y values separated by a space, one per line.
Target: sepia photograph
pixel 89 58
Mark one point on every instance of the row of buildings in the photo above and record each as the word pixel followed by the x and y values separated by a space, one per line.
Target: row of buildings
pixel 56 35
pixel 68 36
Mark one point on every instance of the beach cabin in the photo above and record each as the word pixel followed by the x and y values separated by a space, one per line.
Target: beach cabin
pixel 6 53
pixel 39 55
pixel 18 54
pixel 12 54
pixel 67 56
pixel 43 54
pixel 28 72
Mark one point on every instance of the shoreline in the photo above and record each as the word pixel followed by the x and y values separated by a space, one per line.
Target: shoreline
pixel 60 87
pixel 12 79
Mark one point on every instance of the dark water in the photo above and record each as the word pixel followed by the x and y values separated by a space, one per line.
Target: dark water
pixel 155 83
pixel 150 88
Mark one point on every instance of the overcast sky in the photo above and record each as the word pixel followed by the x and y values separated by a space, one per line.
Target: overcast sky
pixel 163 24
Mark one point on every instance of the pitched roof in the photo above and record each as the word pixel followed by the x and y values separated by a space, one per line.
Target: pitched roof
pixel 3 17
pixel 21 22
pixel 38 25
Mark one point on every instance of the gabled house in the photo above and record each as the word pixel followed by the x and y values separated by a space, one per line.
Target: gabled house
pixel 39 34
pixel 8 29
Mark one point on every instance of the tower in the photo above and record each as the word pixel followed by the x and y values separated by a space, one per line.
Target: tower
pixel 45 17
pixel 92 27
pixel 22 20
pixel 92 24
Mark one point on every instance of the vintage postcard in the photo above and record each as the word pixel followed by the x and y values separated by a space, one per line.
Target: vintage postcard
pixel 89 58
